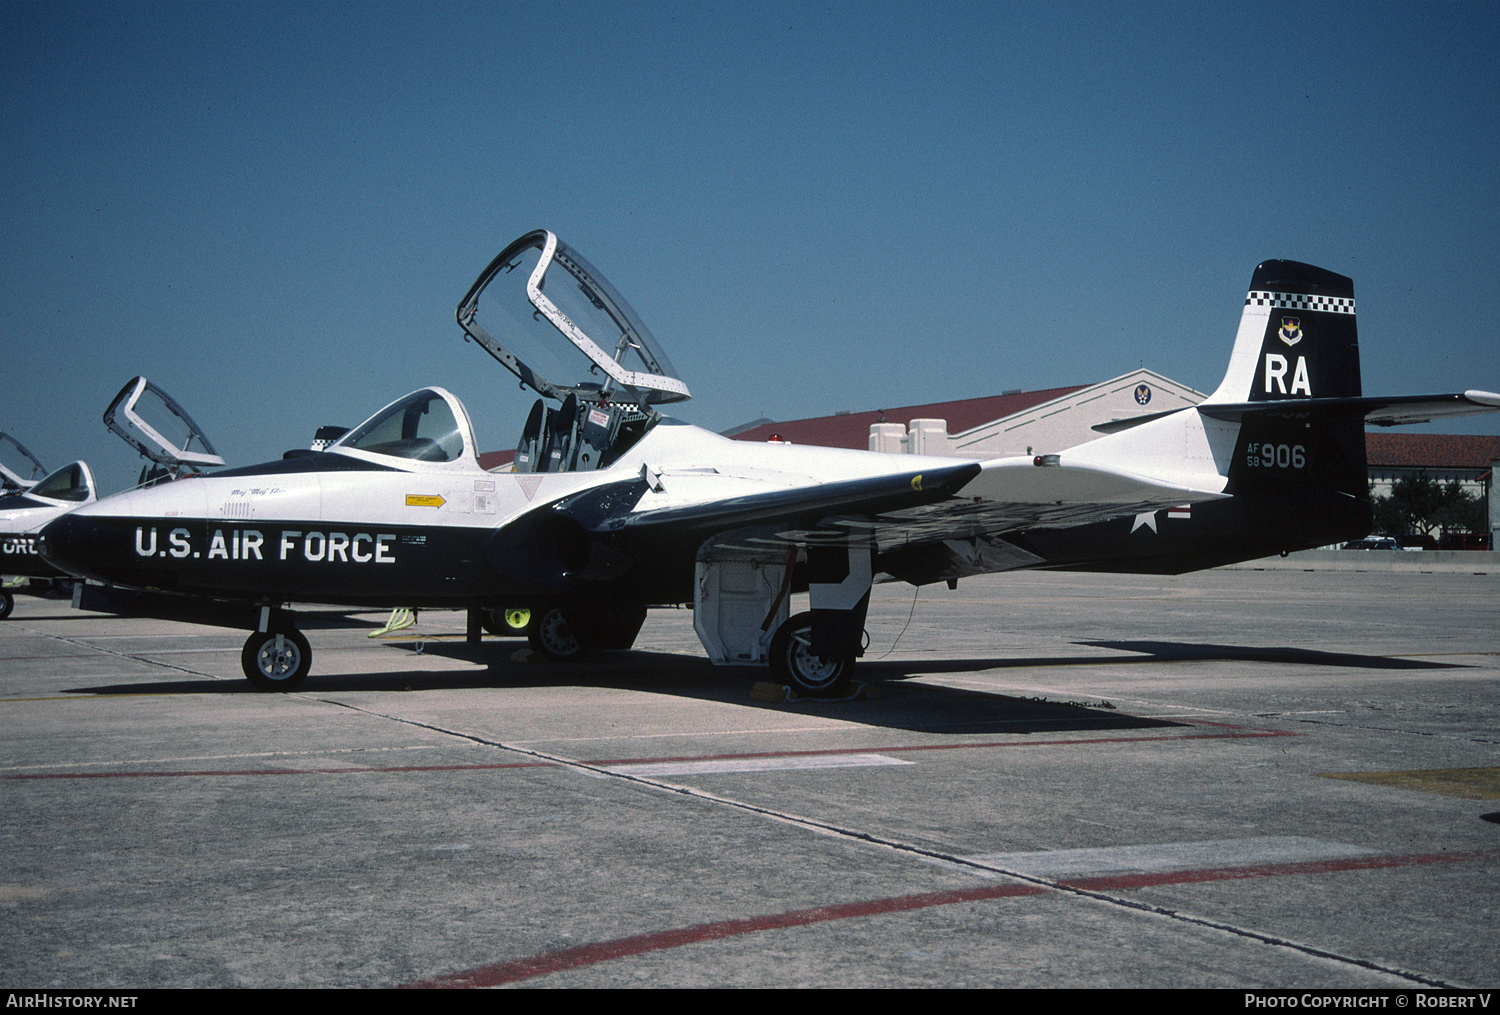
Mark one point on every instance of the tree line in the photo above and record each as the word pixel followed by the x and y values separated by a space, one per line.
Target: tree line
pixel 1419 504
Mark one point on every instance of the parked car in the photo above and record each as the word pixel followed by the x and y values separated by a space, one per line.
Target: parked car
pixel 1373 543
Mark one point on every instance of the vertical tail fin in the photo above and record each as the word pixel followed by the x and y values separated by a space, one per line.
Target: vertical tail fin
pixel 1297 347
pixel 1297 338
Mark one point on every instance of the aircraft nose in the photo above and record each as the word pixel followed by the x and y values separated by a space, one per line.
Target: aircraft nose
pixel 114 546
pixel 72 544
pixel 89 547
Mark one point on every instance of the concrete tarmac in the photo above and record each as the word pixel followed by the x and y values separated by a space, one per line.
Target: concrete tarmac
pixel 1247 779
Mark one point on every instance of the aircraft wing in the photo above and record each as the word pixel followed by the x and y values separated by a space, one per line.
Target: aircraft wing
pixel 894 511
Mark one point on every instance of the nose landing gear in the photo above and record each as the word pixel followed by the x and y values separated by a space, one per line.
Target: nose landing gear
pixel 276 660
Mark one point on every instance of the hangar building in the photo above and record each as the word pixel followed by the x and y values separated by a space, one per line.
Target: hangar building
pixel 1010 423
pixel 1043 422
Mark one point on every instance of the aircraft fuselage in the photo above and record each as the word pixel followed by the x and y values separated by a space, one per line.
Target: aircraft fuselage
pixel 21 517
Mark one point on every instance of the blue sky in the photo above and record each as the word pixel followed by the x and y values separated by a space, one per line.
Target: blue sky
pixel 271 209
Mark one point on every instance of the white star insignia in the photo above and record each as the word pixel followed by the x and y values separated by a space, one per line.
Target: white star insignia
pixel 1145 518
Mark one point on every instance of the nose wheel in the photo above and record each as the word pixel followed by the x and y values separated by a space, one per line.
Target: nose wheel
pixel 276 660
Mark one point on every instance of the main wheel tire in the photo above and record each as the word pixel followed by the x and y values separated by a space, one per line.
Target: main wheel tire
pixel 273 667
pixel 811 676
pixel 7 603
pixel 550 634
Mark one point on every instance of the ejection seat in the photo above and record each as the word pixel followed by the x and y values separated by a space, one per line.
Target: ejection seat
pixel 579 437
pixel 560 437
pixel 531 453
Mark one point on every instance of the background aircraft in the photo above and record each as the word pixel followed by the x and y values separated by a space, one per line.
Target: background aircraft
pixel 612 507
pixel 19 469
pixel 148 419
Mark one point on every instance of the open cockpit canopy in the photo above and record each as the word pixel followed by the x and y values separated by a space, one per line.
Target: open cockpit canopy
pixel 19 468
pixel 151 421
pixel 558 325
pixel 430 426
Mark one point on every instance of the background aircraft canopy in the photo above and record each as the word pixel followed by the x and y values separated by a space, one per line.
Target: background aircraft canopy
pixel 19 468
pixel 155 425
pixel 550 317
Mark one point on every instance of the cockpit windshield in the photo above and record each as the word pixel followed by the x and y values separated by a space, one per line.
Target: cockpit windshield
pixel 559 326
pixel 19 468
pixel 426 426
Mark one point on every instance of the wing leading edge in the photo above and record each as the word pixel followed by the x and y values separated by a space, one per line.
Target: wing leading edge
pixel 933 505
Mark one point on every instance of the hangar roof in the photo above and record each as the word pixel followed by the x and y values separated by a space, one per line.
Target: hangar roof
pixel 852 430
pixel 1431 451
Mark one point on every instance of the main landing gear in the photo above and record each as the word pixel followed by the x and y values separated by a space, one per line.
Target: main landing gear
pixel 794 663
pixel 566 635
pixel 741 606
pixel 7 603
pixel 549 633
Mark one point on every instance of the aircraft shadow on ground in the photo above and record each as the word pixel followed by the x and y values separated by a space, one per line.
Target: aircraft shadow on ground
pixel 902 702
pixel 912 706
pixel 1168 651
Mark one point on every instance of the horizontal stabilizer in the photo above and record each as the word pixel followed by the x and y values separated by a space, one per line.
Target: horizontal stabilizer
pixel 1396 410
pixel 1116 425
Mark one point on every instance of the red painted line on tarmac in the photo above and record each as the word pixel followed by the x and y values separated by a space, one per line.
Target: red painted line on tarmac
pixel 1245 732
pixel 280 771
pixel 588 955
pixel 502 973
